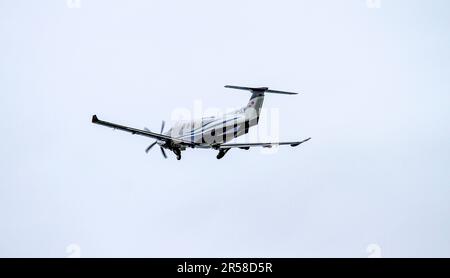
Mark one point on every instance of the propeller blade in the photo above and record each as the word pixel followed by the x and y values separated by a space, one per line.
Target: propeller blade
pixel 149 147
pixel 162 126
pixel 163 152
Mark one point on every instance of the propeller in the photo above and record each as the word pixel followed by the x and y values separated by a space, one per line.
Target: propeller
pixel 154 143
pixel 149 147
pixel 163 152
pixel 162 126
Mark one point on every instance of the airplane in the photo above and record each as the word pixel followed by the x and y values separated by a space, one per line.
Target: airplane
pixel 210 132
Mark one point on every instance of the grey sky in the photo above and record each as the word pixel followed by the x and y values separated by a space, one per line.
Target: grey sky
pixel 375 99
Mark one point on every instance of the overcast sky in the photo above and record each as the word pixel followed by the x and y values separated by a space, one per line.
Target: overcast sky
pixel 375 98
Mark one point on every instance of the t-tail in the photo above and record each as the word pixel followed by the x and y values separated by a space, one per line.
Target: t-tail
pixel 257 98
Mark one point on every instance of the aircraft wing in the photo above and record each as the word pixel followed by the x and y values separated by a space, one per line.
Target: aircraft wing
pixel 147 133
pixel 264 145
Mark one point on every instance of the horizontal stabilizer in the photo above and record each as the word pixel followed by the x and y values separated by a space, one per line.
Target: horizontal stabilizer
pixel 260 90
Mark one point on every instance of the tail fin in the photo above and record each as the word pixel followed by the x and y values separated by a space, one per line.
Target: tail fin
pixel 253 108
pixel 257 98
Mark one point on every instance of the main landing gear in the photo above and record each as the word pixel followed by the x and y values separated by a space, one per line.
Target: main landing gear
pixel 222 153
pixel 177 152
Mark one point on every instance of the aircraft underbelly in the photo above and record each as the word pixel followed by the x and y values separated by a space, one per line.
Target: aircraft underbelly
pixel 217 133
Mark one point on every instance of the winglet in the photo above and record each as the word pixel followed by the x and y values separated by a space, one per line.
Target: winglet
pixel 94 119
pixel 298 143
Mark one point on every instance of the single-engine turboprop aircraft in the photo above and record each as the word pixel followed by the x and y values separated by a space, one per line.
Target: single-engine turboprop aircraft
pixel 210 132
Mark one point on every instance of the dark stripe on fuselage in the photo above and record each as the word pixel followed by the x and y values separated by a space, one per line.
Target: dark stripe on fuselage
pixel 224 130
pixel 211 131
pixel 193 134
pixel 216 124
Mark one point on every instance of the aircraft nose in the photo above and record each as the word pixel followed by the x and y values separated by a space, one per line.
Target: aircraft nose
pixel 160 142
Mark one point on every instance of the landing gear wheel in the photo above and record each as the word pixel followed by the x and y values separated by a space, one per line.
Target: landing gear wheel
pixel 177 153
pixel 222 153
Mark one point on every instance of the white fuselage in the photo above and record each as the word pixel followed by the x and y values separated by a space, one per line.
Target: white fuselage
pixel 210 131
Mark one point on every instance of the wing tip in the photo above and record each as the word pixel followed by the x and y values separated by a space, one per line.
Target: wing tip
pixel 94 119
pixel 298 143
